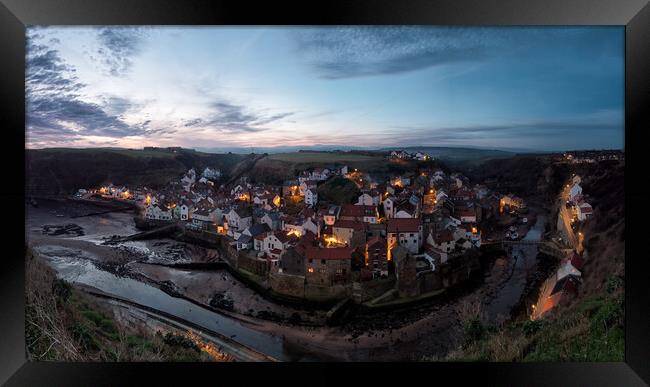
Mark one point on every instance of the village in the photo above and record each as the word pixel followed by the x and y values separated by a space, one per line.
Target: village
pixel 565 281
pixel 408 237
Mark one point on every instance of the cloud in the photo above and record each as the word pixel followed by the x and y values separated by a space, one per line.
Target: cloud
pixel 230 118
pixel 118 45
pixel 74 116
pixel 56 110
pixel 522 131
pixel 346 52
pixel 46 72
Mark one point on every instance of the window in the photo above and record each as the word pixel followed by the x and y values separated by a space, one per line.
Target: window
pixel 322 261
pixel 411 235
pixel 311 260
pixel 311 269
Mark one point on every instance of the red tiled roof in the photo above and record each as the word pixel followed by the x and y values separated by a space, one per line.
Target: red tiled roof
pixel 443 236
pixel 281 235
pixel 376 240
pixel 577 261
pixel 357 211
pixel 336 253
pixel 397 225
pixel 357 226
pixel 464 212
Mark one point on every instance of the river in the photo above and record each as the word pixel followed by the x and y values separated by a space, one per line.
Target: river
pixel 524 264
pixel 78 266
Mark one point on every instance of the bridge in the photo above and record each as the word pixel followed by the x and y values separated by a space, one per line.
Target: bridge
pixel 546 247
pixel 506 242
pixel 521 242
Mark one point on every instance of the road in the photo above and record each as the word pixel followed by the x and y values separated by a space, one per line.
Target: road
pixel 566 218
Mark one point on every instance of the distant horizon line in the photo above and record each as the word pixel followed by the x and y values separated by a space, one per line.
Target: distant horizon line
pixel 340 148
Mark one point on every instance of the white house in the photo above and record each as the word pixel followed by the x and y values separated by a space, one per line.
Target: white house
pixel 239 219
pixel 566 268
pixel 420 156
pixel 211 173
pixel 389 206
pixel 574 192
pixel 584 211
pixel 273 220
pixel 311 225
pixel 405 209
pixel 273 243
pixel 188 179
pixel 311 197
pixel 443 241
pixel 305 185
pixel 405 232
pixel 206 219
pixel 371 198
pixel 155 212
pixel 182 212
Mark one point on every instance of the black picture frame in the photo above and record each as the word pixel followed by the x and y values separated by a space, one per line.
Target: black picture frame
pixel 16 14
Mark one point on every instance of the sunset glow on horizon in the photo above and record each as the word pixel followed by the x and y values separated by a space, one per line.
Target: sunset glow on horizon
pixel 226 88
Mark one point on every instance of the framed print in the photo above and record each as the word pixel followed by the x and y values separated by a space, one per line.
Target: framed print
pixel 211 187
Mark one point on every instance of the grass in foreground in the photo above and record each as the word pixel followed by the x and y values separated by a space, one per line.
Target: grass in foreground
pixel 65 324
pixel 591 330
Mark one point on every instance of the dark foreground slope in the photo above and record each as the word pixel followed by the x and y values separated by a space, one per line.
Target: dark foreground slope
pixel 62 323
pixel 59 171
pixel 589 327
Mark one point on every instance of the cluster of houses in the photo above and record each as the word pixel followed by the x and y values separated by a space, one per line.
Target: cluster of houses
pixel 582 210
pixel 432 217
pixel 592 157
pixel 403 155
pixel 560 286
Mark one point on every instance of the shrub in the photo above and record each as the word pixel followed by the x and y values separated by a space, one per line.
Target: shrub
pixel 614 283
pixel 532 327
pixel 61 289
pixel 474 330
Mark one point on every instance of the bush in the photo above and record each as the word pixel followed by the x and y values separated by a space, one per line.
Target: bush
pixel 84 335
pixel 474 330
pixel 61 289
pixel 614 283
pixel 179 341
pixel 532 327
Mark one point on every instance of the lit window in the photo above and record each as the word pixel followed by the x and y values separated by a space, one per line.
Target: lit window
pixel 311 270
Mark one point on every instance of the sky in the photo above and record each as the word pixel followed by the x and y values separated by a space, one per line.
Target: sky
pixel 229 88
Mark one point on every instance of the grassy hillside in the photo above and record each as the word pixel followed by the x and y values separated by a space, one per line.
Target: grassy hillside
pixel 529 176
pixel 64 324
pixel 324 157
pixel 62 171
pixel 591 330
pixel 338 190
pixel 589 327
pixel 278 167
pixel 453 154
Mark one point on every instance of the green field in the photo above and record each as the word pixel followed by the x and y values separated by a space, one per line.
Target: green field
pixel 323 157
